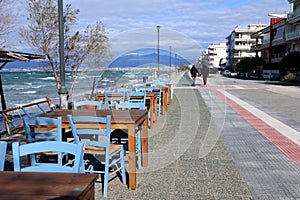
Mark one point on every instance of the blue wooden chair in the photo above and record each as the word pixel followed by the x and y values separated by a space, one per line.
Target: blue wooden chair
pixel 112 98
pixel 41 129
pixel 84 104
pixel 76 150
pixel 96 141
pixel 3 146
pixel 154 89
pixel 134 100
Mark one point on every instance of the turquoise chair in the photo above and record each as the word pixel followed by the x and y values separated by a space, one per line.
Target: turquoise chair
pixel 83 104
pixel 112 98
pixel 97 142
pixel 76 150
pixel 159 96
pixel 3 146
pixel 41 129
pixel 134 100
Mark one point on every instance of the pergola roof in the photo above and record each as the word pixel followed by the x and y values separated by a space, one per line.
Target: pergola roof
pixel 12 56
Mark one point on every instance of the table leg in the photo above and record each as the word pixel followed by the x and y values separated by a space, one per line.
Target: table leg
pixel 145 143
pixel 164 102
pixel 151 113
pixel 132 157
pixel 155 109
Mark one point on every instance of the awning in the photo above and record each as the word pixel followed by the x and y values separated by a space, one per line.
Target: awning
pixel 12 56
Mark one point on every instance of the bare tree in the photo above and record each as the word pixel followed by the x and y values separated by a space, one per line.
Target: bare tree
pixel 42 35
pixel 6 21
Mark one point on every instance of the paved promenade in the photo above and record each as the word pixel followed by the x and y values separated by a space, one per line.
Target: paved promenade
pixel 260 124
pixel 188 158
pixel 231 139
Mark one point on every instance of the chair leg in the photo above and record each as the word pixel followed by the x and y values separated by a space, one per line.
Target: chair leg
pixel 159 107
pixel 105 181
pixel 139 151
pixel 123 173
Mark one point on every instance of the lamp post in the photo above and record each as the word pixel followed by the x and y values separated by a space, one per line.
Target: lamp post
pixel 170 57
pixel 62 90
pixel 158 27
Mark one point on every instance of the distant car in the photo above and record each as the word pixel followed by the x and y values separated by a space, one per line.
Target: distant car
pixel 227 73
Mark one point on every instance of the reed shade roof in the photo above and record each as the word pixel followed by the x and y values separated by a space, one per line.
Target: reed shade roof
pixel 12 56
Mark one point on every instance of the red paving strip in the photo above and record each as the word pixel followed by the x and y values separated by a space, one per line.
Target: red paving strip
pixel 288 147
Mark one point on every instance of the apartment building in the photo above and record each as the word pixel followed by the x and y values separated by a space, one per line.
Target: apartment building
pixel 270 42
pixel 293 28
pixel 217 54
pixel 279 39
pixel 239 43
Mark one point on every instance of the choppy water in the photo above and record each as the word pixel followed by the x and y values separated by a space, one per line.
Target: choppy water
pixel 26 87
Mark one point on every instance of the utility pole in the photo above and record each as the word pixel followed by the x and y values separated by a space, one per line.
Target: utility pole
pixel 62 90
pixel 158 27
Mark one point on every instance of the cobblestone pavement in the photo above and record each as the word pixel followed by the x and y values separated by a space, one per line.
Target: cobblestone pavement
pixel 260 124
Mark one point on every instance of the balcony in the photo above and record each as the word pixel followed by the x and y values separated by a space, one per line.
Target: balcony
pixel 277 57
pixel 278 42
pixel 294 16
pixel 293 35
pixel 292 1
pixel 242 47
pixel 245 39
pixel 243 54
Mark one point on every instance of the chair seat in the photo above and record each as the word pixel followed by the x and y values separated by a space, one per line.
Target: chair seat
pixel 101 150
pixel 47 168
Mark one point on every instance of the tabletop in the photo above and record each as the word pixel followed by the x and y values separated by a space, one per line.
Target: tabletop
pixel 117 116
pixel 38 185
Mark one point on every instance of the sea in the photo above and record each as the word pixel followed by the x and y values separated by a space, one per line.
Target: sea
pixel 23 87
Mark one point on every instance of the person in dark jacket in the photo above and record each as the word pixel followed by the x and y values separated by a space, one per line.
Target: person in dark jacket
pixel 194 72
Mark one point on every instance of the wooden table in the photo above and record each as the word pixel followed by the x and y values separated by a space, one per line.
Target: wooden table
pixel 164 101
pixel 37 185
pixel 150 96
pixel 170 92
pixel 120 119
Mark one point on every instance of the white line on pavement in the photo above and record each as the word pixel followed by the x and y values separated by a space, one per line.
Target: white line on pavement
pixel 282 128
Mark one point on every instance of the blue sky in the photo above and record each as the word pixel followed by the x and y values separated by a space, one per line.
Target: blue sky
pixel 203 21
pixel 184 23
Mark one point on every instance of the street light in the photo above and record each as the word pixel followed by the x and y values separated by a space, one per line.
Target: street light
pixel 62 90
pixel 158 27
pixel 170 57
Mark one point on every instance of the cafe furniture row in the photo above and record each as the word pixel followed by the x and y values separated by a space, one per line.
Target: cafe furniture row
pixel 129 115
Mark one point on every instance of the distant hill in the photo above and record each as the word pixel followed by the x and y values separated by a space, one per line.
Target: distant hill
pixel 147 56
pixel 33 65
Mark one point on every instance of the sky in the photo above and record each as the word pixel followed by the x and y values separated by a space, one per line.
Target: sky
pixel 187 26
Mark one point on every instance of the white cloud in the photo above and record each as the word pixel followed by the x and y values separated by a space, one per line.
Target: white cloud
pixel 201 21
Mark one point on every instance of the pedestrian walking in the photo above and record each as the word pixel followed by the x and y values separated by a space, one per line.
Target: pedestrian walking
pixel 204 70
pixel 194 73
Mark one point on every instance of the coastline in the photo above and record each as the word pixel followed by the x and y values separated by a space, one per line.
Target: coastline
pixel 80 94
pixel 175 170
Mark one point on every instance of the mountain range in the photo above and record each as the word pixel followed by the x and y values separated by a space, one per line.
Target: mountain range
pixel 146 57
